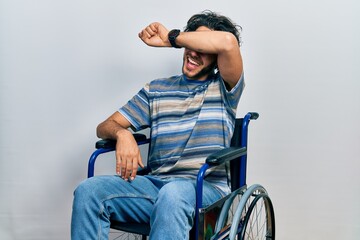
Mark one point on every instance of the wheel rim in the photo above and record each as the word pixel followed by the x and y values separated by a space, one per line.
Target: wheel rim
pixel 259 221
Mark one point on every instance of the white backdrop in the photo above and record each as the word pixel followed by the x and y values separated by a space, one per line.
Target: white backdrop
pixel 67 65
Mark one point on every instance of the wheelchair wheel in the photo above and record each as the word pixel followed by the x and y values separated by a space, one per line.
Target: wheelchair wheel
pixel 254 218
pixel 228 209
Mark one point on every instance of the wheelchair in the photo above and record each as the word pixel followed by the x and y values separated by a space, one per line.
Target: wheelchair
pixel 245 213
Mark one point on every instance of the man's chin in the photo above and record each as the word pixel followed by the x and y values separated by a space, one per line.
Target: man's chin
pixel 189 75
pixel 197 76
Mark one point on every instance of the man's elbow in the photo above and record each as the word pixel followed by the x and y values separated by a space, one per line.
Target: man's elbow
pixel 230 42
pixel 100 131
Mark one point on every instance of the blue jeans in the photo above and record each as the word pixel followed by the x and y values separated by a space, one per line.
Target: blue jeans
pixel 168 205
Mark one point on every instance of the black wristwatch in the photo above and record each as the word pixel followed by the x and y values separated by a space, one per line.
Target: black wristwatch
pixel 172 35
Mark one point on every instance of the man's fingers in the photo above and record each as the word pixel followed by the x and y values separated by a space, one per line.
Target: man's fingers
pixel 136 163
pixel 154 27
pixel 118 166
pixel 140 163
pixel 127 170
pixel 123 168
pixel 134 169
pixel 151 31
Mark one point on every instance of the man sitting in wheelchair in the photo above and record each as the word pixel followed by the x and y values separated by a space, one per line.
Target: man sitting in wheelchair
pixel 190 116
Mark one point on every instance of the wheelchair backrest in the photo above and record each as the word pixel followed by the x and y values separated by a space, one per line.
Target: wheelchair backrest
pixel 236 166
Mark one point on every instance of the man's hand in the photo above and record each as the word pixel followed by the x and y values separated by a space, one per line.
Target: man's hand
pixel 128 156
pixel 155 35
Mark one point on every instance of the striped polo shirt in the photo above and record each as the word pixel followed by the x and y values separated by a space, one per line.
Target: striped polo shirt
pixel 189 119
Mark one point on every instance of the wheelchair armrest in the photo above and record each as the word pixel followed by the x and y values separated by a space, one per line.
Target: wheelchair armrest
pixel 110 143
pixel 225 155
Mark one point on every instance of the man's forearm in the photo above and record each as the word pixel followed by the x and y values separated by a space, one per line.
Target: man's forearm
pixel 212 42
pixel 113 126
pixel 109 129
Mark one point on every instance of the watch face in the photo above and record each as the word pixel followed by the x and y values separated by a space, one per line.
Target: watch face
pixel 174 33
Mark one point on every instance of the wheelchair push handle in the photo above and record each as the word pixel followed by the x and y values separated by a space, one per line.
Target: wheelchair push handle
pixel 253 115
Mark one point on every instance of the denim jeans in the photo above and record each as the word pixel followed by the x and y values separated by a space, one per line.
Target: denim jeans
pixel 168 205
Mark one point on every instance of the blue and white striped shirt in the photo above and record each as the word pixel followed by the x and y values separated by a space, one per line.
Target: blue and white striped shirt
pixel 189 120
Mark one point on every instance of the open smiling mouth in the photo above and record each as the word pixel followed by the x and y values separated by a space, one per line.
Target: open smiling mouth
pixel 192 63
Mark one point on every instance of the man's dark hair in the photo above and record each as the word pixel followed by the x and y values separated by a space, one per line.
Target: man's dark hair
pixel 213 21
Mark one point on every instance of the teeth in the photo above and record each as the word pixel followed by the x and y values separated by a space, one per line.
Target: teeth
pixel 193 62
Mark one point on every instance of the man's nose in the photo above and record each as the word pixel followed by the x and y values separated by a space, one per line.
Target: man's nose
pixel 193 53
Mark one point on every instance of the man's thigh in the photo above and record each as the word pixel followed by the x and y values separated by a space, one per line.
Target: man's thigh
pixel 185 190
pixel 122 200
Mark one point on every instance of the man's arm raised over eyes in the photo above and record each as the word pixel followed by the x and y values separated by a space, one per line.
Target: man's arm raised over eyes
pixel 223 44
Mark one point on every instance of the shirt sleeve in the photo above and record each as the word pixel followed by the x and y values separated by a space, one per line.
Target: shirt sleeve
pixel 233 96
pixel 137 110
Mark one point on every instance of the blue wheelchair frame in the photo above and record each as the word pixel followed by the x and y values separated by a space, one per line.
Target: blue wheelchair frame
pixel 237 152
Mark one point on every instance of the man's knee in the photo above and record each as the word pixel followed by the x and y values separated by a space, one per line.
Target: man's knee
pixel 89 190
pixel 178 193
pixel 175 208
pixel 83 193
